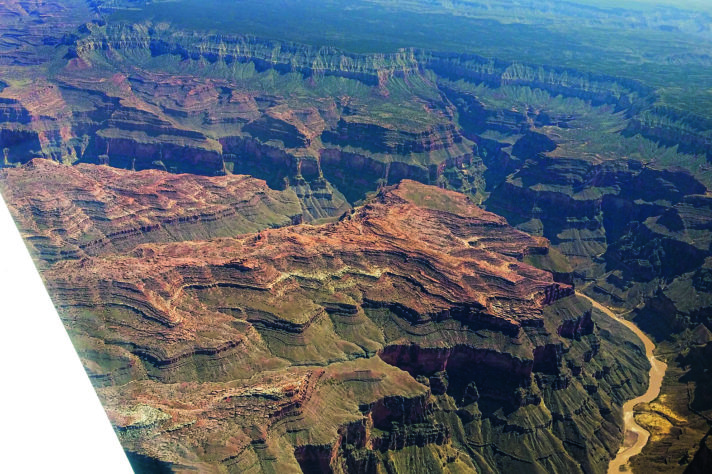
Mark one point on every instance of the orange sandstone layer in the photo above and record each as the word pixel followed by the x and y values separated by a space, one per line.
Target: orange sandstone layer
pixel 412 324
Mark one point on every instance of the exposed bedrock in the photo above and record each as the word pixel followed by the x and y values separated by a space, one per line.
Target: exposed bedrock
pixel 682 305
pixel 152 118
pixel 249 156
pixel 458 365
pixel 475 118
pixel 702 461
pixel 485 246
pixel 318 198
pixel 263 348
pixel 644 254
pixel 226 331
pixel 136 154
pixel 624 212
pixel 351 173
pixel 354 173
pixel 659 249
pixel 471 405
pixel 669 128
pixel 207 127
pixel 377 139
pixel 156 118
pixel 552 214
pixel 73 212
pixel 558 81
pixel 370 69
pixel 19 146
pixel 13 112
pixel 576 328
pixel 140 118
pixel 268 128
pixel 379 156
pixel 468 380
pixel 532 144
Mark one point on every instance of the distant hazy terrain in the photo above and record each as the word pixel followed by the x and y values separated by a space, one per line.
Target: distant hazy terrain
pixel 667 47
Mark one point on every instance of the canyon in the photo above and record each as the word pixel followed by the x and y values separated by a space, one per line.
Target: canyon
pixel 275 254
pixel 346 345
pixel 636 437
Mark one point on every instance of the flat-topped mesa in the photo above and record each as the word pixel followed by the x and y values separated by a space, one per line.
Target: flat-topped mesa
pixel 74 212
pixel 426 254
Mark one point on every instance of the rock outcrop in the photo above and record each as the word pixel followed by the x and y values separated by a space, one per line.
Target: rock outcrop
pixel 399 115
pixel 411 325
pixel 217 323
pixel 72 212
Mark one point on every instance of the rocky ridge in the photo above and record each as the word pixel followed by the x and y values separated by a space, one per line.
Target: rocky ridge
pixel 219 116
pixel 146 97
pixel 337 347
pixel 75 212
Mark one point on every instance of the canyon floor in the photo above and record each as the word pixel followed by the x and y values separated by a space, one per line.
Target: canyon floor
pixel 635 437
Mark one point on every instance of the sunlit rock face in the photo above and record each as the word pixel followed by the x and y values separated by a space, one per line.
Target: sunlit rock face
pixel 253 286
pixel 410 325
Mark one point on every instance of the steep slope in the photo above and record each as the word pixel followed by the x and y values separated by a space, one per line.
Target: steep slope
pixel 638 238
pixel 601 166
pixel 151 96
pixel 74 212
pixel 409 333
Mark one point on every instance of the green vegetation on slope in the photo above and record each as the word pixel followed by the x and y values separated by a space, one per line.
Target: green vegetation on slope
pixel 671 54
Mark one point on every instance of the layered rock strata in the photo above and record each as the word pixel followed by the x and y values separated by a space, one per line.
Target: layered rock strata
pixel 410 333
pixel 70 213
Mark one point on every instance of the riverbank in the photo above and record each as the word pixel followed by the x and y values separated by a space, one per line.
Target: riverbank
pixel 636 437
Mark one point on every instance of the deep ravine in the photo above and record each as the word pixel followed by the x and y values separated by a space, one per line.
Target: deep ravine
pixel 636 437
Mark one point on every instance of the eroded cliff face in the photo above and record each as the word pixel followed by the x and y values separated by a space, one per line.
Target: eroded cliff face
pixel 334 124
pixel 186 301
pixel 70 213
pixel 590 210
pixel 150 96
pixel 409 333
pixel 638 238
pixel 146 97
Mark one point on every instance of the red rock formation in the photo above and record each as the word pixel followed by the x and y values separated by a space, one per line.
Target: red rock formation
pixel 336 346
pixel 73 212
pixel 422 253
